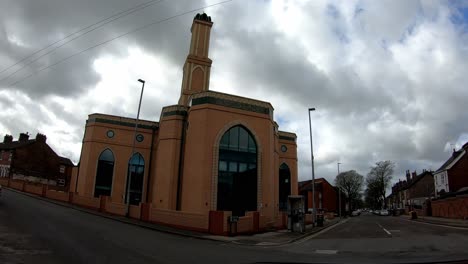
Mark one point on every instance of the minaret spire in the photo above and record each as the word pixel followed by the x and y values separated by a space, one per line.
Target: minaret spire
pixel 197 65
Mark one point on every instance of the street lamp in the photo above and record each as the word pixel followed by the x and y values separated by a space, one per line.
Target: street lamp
pixel 339 190
pixel 129 179
pixel 313 172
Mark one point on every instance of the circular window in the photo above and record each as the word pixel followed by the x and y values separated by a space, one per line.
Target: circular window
pixel 110 133
pixel 284 148
pixel 140 137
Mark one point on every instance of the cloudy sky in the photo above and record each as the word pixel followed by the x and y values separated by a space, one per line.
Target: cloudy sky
pixel 388 78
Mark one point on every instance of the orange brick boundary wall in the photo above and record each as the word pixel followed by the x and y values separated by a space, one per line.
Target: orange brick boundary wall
pixel 215 223
pixel 456 207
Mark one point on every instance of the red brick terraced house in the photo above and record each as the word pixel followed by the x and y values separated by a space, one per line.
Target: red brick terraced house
pixel 33 160
pixel 453 174
pixel 326 195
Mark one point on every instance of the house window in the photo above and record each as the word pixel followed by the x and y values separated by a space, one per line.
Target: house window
pixel 11 155
pixel 62 169
pixel 1 155
pixel 442 179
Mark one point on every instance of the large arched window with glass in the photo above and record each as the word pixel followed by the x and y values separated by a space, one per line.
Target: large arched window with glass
pixel 237 172
pixel 136 167
pixel 104 174
pixel 284 186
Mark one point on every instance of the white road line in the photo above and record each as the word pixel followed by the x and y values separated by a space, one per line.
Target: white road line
pixel 386 231
pixel 320 232
pixel 326 251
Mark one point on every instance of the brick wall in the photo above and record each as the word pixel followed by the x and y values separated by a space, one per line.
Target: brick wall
pixel 36 159
pixel 4 181
pixel 422 188
pixel 115 208
pixel 18 185
pixel 88 202
pixel 329 197
pixel 245 224
pixel 456 207
pixel 458 174
pixel 135 211
pixel 33 188
pixel 192 221
pixel 57 195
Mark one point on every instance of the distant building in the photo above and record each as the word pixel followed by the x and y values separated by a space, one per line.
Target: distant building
pixel 453 174
pixel 412 193
pixel 326 195
pixel 421 189
pixel 33 160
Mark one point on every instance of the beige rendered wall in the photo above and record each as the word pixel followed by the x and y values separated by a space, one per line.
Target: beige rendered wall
pixel 96 141
pixel 207 124
pixel 290 158
pixel 164 194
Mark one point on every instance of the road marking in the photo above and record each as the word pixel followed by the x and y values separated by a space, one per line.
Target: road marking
pixel 394 231
pixel 326 251
pixel 386 231
pixel 320 232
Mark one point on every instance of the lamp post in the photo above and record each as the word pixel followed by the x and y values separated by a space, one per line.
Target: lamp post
pixel 129 177
pixel 314 214
pixel 339 190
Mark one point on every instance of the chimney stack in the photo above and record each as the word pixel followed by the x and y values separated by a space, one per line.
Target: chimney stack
pixel 8 139
pixel 23 137
pixel 408 176
pixel 41 138
pixel 413 175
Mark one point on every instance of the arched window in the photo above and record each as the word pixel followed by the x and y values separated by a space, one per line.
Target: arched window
pixel 136 166
pixel 284 186
pixel 237 172
pixel 104 174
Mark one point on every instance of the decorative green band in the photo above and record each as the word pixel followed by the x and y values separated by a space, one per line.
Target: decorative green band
pixel 118 123
pixel 231 104
pixel 176 112
pixel 287 138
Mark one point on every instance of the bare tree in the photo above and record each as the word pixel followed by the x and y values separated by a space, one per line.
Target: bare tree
pixel 378 179
pixel 350 182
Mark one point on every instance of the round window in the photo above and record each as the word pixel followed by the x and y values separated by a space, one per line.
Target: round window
pixel 140 137
pixel 110 133
pixel 284 148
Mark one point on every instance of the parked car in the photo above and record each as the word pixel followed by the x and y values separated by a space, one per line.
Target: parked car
pixel 384 212
pixel 355 213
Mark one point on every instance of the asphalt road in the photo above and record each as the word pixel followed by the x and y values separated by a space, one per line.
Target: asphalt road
pixel 36 231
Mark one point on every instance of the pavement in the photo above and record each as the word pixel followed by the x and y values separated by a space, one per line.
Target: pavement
pixel 37 231
pixel 460 223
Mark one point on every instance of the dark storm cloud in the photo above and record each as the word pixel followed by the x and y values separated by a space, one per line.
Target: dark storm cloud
pixel 35 24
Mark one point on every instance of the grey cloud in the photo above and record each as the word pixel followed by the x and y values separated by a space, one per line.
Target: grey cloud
pixel 373 106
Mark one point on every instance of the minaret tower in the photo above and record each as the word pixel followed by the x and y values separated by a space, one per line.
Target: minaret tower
pixel 197 65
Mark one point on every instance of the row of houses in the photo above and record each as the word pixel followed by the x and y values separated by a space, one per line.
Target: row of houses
pixel 33 160
pixel 418 192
